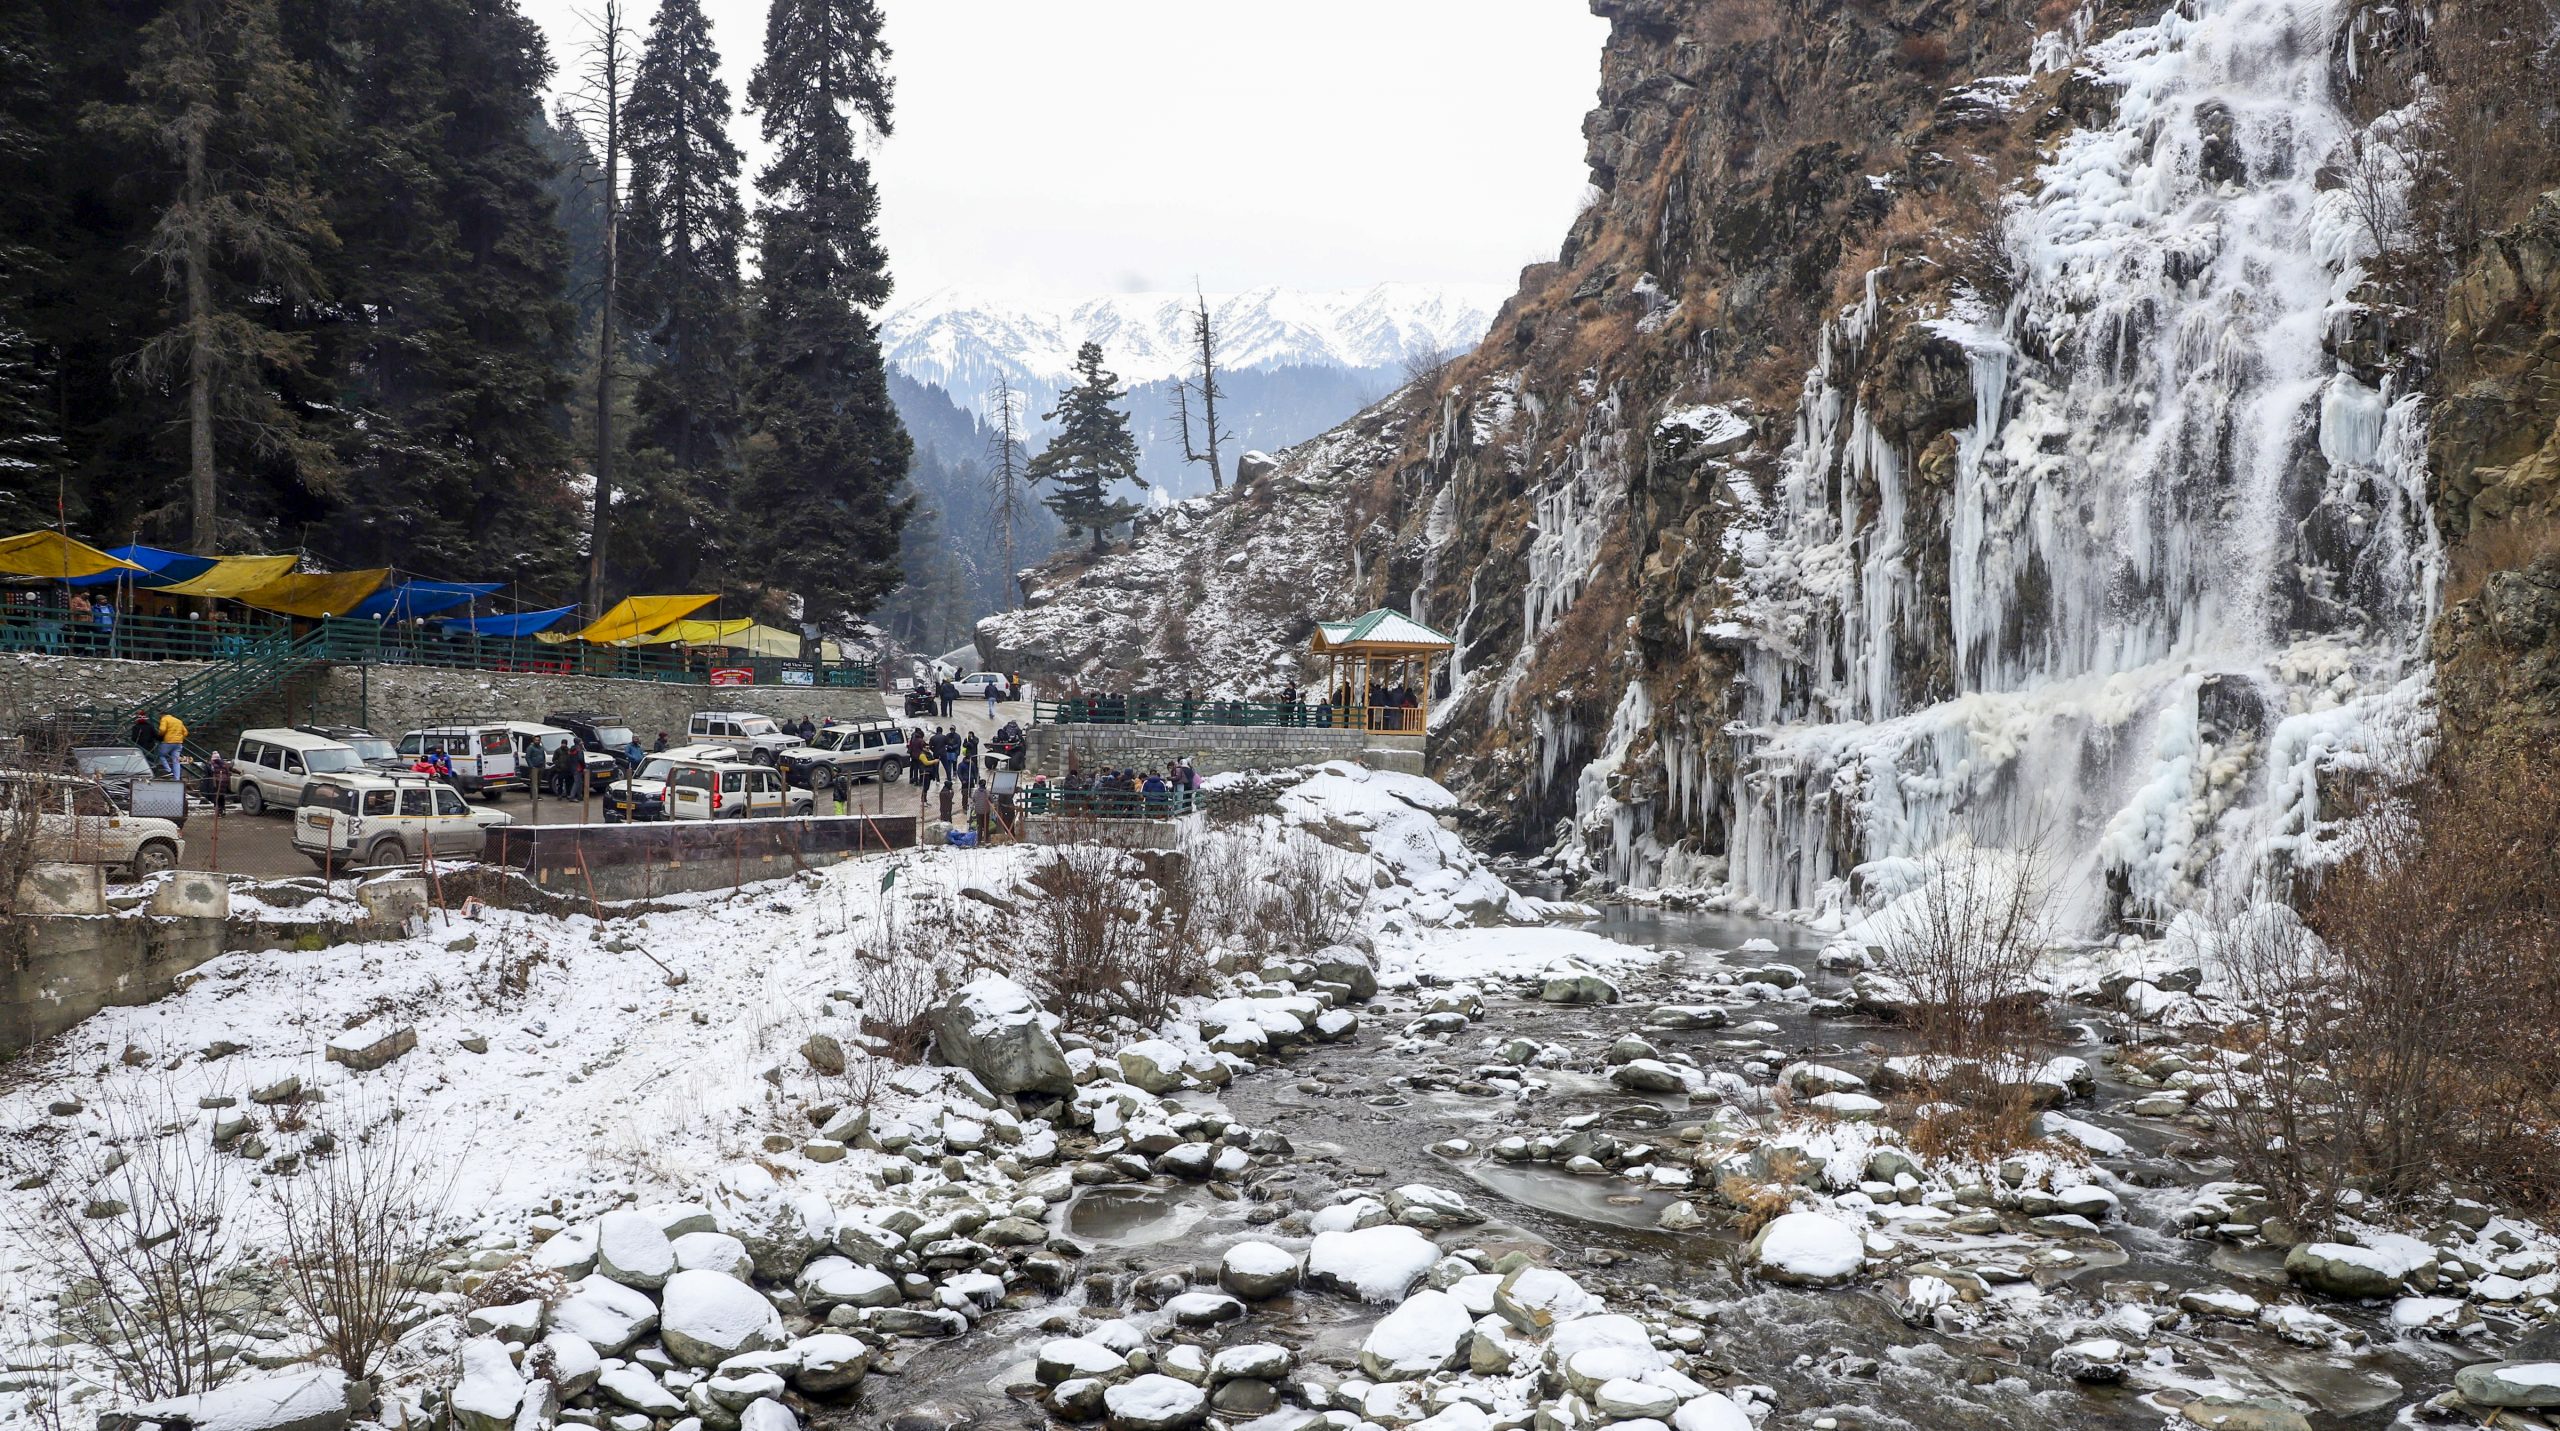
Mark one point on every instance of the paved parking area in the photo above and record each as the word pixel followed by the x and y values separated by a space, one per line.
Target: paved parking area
pixel 262 845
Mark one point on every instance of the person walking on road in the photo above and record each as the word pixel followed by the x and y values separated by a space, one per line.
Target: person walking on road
pixel 217 774
pixel 968 763
pixel 949 693
pixel 991 702
pixel 173 742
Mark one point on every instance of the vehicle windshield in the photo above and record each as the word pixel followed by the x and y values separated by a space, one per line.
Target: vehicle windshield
pixel 115 762
pixel 321 795
pixel 756 725
pixel 366 747
pixel 656 769
pixel 329 760
pixel 615 737
pixel 837 739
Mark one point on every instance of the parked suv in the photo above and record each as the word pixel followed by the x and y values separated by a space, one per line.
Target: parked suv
pixel 610 734
pixel 847 752
pixel 268 767
pixel 78 823
pixel 376 751
pixel 731 790
pixel 643 795
pixel 388 819
pixel 754 737
pixel 537 744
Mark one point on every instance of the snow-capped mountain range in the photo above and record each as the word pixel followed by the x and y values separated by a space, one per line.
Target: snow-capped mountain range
pixel 960 338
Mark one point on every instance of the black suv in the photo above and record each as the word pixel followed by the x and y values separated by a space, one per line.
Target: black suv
pixel 605 734
pixel 376 751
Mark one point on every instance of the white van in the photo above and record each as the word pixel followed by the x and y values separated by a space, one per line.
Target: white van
pixel 484 757
pixel 377 819
pixel 77 823
pixel 268 767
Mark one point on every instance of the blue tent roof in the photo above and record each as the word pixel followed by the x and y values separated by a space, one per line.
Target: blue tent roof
pixel 523 623
pixel 408 600
pixel 160 568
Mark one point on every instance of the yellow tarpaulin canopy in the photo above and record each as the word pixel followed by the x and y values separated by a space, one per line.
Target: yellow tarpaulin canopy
pixel 639 615
pixel 699 633
pixel 764 641
pixel 317 594
pixel 233 576
pixel 51 554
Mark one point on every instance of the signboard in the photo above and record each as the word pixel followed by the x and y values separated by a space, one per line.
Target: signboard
pixel 732 676
pixel 799 676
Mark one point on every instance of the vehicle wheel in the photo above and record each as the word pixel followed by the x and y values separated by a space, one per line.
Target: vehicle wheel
pixel 385 852
pixel 822 781
pixel 761 756
pixel 253 801
pixel 155 857
pixel 891 771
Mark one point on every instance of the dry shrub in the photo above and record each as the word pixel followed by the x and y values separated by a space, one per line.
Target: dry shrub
pixel 519 1281
pixel 2492 547
pixel 2404 1036
pixel 1113 946
pixel 1964 945
pixel 136 1226
pixel 1925 54
pixel 903 981
pixel 1757 1202
pixel 2000 1120
pixel 362 1226
pixel 1310 898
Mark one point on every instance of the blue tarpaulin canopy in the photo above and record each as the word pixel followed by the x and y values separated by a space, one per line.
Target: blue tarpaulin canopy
pixel 159 568
pixel 408 600
pixel 523 623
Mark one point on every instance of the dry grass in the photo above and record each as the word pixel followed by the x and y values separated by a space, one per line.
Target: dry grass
pixel 2492 547
pixel 362 1225
pixel 1757 1202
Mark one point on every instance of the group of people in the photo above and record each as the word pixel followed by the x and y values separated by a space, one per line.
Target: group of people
pixel 944 756
pixel 162 742
pixel 1155 790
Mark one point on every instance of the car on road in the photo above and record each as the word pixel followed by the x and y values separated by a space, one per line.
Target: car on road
pixel 371 819
pixel 485 756
pixel 847 752
pixel 975 685
pixel 759 738
pixel 77 822
pixel 643 794
pixel 376 751
pixel 608 733
pixel 731 790
pixel 539 743
pixel 270 766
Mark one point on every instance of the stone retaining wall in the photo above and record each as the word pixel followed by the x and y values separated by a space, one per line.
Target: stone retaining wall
pixel 643 861
pixel 1216 750
pixel 75 966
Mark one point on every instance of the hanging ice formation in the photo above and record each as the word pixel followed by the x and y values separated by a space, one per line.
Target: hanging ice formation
pixel 2188 557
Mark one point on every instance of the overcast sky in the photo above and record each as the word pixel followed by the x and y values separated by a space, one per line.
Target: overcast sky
pixel 1073 147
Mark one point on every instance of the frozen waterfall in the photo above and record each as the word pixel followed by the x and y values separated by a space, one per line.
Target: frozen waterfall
pixel 2189 559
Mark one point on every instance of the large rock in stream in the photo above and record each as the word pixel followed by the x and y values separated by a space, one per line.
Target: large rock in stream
pixel 992 1027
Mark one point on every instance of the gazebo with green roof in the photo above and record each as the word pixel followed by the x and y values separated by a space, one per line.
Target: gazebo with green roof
pixel 1372 658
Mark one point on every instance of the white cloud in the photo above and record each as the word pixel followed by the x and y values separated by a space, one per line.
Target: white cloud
pixel 1108 145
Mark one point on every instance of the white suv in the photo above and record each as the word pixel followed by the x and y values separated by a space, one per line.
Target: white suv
pixel 975 685
pixel 846 752
pixel 731 790
pixel 78 823
pixel 372 819
pixel 759 738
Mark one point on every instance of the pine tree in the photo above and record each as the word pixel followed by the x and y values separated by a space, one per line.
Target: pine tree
pixel 681 238
pixel 604 98
pixel 31 451
pixel 1092 451
pixel 1206 389
pixel 456 369
pixel 235 120
pixel 30 442
pixel 829 458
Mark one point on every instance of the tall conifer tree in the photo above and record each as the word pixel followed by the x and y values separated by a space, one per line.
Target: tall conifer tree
pixel 1092 451
pixel 682 231
pixel 828 461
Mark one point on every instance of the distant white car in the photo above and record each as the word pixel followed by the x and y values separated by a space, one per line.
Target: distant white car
pixel 975 685
pixel 78 823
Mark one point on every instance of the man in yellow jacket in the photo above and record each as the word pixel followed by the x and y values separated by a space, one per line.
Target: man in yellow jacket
pixel 173 742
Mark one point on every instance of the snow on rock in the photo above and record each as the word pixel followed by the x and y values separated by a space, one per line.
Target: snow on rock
pixel 2382 1267
pixel 779 1229
pixel 1257 1270
pixel 1375 1264
pixel 292 1401
pixel 632 1250
pixel 1713 1411
pixel 491 1388
pixel 992 1027
pixel 1808 1249
pixel 710 1317
pixel 767 1414
pixel 1422 1335
pixel 1536 1299
pixel 1154 1402
pixel 606 1314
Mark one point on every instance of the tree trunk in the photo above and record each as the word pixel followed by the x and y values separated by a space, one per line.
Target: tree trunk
pixel 200 358
pixel 602 506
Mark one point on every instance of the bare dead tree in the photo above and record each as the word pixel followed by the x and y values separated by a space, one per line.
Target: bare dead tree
pixel 1005 482
pixel 1202 388
pixel 604 86
pixel 363 1223
pixel 135 1227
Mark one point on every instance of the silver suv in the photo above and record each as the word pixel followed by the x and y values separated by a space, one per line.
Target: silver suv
pixel 759 738
pixel 374 819
pixel 844 753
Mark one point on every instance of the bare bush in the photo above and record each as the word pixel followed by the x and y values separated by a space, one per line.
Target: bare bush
pixel 136 1227
pixel 362 1223
pixel 899 994
pixel 1964 947
pixel 1309 898
pixel 2407 1048
pixel 1096 931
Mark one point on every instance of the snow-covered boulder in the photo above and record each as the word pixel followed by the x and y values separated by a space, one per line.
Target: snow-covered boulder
pixel 1375 1264
pixel 709 1317
pixel 632 1250
pixel 992 1027
pixel 2510 1384
pixel 1257 1270
pixel 291 1401
pixel 779 1229
pixel 491 1388
pixel 1808 1249
pixel 829 1364
pixel 2389 1264
pixel 1154 1402
pixel 1713 1411
pixel 1067 1358
pixel 606 1314
pixel 1535 1299
pixel 1152 1064
pixel 1426 1333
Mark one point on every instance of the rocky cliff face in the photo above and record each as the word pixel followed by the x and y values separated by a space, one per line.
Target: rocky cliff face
pixel 1947 424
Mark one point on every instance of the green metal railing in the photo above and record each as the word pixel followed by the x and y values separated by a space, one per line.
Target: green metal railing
pixel 1179 711
pixel 56 631
pixel 1089 804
